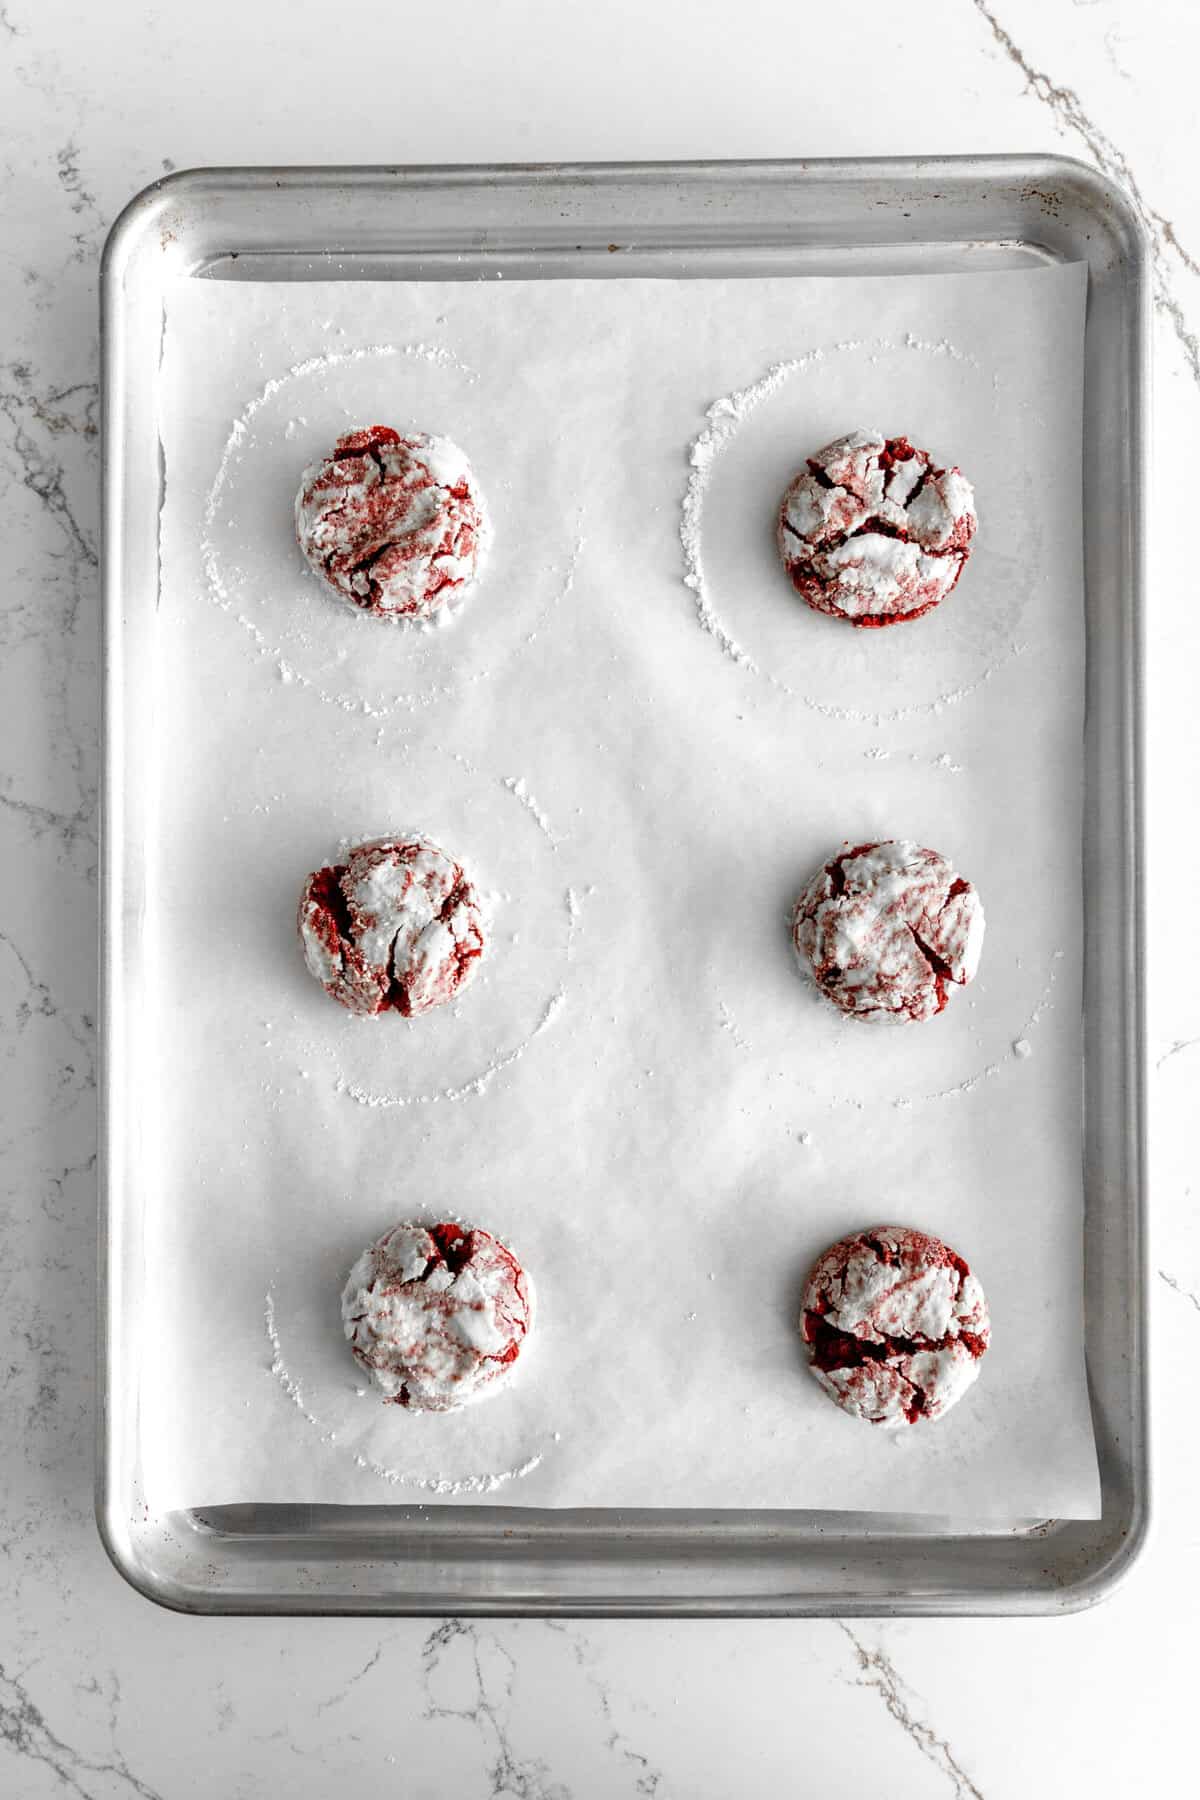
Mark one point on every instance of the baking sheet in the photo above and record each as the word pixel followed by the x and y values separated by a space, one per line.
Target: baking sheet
pixel 639 1092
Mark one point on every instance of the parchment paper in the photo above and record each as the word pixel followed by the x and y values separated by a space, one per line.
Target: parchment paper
pixel 639 1092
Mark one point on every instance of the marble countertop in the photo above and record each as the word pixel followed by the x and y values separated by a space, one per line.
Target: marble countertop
pixel 102 1695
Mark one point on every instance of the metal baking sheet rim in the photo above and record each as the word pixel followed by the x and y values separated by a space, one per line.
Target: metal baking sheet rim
pixel 816 216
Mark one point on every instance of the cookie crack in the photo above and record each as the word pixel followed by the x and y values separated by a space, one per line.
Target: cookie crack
pixel 357 454
pixel 877 527
pixel 834 1349
pixel 463 951
pixel 365 566
pixel 838 539
pixel 927 474
pixel 941 968
pixel 453 899
pixel 894 450
pixel 941 551
pixel 454 1246
pixel 836 870
pixel 917 1405
pixel 396 995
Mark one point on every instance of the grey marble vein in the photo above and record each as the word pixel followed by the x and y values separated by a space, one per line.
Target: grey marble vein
pixel 336 1699
pixel 223 1706
pixel 1185 1293
pixel 72 827
pixel 48 448
pixel 648 1779
pixel 24 1732
pixel 57 1183
pixel 1111 40
pixel 82 203
pixel 473 1674
pixel 72 180
pixel 67 409
pixel 46 1050
pixel 1069 113
pixel 879 1673
pixel 28 998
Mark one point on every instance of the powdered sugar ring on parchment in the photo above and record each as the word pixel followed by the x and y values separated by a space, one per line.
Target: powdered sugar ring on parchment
pixel 483 1483
pixel 1020 1050
pixel 436 356
pixel 724 419
pixel 474 1085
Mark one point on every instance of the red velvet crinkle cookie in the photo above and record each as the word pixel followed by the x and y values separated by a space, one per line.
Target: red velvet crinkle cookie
pixel 895 1325
pixel 873 532
pixel 888 929
pixel 396 525
pixel 397 927
pixel 437 1314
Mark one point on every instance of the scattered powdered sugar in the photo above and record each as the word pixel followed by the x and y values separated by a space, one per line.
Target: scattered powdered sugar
pixel 1044 1001
pixel 729 1025
pixel 876 753
pixel 264 806
pixel 939 347
pixel 519 788
pixel 574 903
pixel 486 1483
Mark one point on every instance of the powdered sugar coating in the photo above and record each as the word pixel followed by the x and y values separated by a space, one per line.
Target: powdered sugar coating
pixel 888 929
pixel 871 531
pixel 895 1325
pixel 395 525
pixel 437 1314
pixel 397 927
